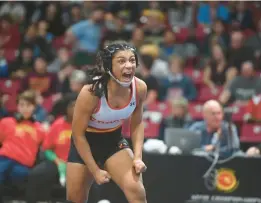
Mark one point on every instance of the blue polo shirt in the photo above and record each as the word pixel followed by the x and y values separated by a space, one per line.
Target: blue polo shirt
pixel 228 142
pixel 88 35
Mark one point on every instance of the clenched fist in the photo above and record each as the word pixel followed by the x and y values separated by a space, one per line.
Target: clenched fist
pixel 102 177
pixel 139 166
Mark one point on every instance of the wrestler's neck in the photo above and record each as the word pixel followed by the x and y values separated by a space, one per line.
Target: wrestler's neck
pixel 116 89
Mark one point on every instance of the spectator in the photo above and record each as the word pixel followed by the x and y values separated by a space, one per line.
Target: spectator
pixel 242 17
pixel 131 10
pixel 137 39
pixel 23 63
pixel 88 7
pixel 71 85
pixel 217 134
pixel 44 83
pixel 238 53
pixel 243 87
pixel 9 33
pixel 179 118
pixel 217 36
pixel 65 13
pixel 253 109
pixel 180 15
pixel 39 44
pixel 168 46
pixel 74 82
pixel 52 15
pixel 15 9
pixel 216 70
pixel 75 14
pixel 56 148
pixel 209 12
pixel 63 56
pixel 43 31
pixel 116 30
pixel 64 74
pixel 160 67
pixel 20 137
pixel 88 33
pixel 150 80
pixel 178 84
pixel 254 42
pixel 153 19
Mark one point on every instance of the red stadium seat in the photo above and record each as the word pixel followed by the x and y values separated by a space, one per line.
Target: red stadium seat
pixel 163 107
pixel 205 93
pixel 195 110
pixel 200 33
pixel 195 75
pixel 9 86
pixel 151 129
pixel 59 42
pixel 237 111
pixel 250 133
pixel 181 34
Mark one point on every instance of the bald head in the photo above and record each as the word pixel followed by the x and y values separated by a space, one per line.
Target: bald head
pixel 210 104
pixel 213 114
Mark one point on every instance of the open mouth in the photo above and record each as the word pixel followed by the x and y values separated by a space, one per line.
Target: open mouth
pixel 127 76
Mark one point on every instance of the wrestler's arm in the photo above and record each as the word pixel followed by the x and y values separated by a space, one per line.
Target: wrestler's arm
pixel 84 107
pixel 137 126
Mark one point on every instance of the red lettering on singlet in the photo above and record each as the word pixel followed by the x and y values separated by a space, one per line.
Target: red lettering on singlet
pixel 105 122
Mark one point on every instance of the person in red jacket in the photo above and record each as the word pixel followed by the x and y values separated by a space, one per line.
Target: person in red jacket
pixel 20 137
pixel 56 148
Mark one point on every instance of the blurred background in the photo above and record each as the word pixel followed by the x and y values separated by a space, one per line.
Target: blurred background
pixel 190 53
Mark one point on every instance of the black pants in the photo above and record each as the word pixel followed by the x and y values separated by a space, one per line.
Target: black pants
pixel 103 145
pixel 41 180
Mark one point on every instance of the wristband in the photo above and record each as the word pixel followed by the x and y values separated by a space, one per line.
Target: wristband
pixel 50 155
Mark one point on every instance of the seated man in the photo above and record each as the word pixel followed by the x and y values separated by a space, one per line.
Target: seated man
pixel 243 87
pixel 20 137
pixel 217 134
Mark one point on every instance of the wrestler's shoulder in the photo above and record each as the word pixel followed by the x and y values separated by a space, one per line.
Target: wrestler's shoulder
pixel 141 87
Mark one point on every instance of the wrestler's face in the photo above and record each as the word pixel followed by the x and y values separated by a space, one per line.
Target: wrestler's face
pixel 124 65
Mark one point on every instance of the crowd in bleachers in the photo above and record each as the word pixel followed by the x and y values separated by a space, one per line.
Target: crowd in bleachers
pixel 190 52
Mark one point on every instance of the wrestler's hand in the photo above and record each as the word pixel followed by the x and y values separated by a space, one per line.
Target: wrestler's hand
pixel 139 166
pixel 101 177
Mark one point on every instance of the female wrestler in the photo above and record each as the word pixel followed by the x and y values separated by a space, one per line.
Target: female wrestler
pixel 98 151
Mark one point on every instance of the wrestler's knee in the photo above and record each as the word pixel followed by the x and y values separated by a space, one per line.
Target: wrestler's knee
pixel 135 192
pixel 77 197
